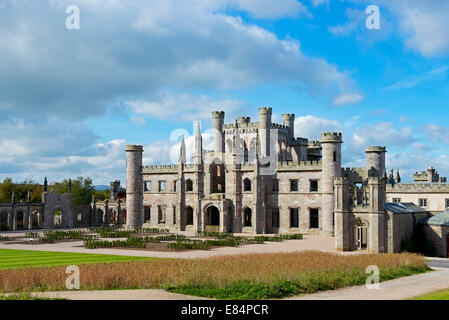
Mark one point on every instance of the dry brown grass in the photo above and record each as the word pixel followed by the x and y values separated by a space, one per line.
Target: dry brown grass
pixel 217 271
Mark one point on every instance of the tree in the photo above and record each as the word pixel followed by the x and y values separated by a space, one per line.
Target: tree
pixel 82 190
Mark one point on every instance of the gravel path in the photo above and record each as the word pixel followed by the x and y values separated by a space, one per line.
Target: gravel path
pixel 319 243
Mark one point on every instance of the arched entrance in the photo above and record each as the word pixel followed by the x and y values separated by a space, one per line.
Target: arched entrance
pixel 212 219
pixel 4 221
pixel 247 217
pixel 360 234
pixel 57 218
pixel 20 223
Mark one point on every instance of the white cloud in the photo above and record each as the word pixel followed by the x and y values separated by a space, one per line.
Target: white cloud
pixel 422 24
pixel 345 99
pixel 383 133
pixel 135 51
pixel 416 79
pixel 311 127
pixel 183 107
pixel 138 121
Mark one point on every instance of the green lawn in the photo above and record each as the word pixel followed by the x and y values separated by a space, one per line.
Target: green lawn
pixel 437 295
pixel 15 259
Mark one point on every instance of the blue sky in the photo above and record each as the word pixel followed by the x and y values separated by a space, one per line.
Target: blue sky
pixel 70 100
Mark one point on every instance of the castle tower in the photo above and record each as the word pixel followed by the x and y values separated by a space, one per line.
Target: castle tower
pixel 217 122
pixel 331 168
pixel 115 188
pixel 289 122
pixel 375 160
pixel 264 130
pixel 134 187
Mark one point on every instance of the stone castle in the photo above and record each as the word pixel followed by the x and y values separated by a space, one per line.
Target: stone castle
pixel 259 178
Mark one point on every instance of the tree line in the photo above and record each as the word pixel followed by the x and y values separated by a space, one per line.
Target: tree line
pixel 83 190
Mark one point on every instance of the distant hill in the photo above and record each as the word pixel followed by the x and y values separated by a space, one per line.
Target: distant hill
pixel 102 187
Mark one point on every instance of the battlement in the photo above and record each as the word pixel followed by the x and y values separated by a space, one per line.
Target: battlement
pixel 299 165
pixel 314 144
pixel 244 120
pixel 376 149
pixel 218 114
pixel 299 141
pixel 265 110
pixel 278 126
pixel 134 147
pixel 165 168
pixel 331 137
pixel 288 116
pixel 418 187
pixel 244 125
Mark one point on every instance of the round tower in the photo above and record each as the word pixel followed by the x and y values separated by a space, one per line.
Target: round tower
pixel 331 168
pixel 375 160
pixel 134 187
pixel 217 121
pixel 264 130
pixel 289 122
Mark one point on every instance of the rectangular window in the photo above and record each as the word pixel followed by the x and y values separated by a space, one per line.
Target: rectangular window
pixel 174 214
pixel 396 200
pixel 447 203
pixel 423 202
pixel 314 218
pixel 175 186
pixel 161 214
pixel 275 217
pixel 275 185
pixel 313 185
pixel 161 186
pixel 294 221
pixel 147 211
pixel 147 186
pixel 293 185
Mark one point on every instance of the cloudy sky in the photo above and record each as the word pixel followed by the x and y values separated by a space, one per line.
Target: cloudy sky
pixel 142 72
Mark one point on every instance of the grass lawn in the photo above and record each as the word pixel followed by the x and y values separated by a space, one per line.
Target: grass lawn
pixel 251 276
pixel 15 259
pixel 437 295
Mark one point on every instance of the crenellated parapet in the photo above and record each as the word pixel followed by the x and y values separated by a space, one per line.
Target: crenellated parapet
pixel 418 187
pixel 331 137
pixel 169 168
pixel 299 165
pixel 299 142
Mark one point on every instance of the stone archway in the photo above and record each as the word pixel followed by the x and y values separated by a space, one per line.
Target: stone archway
pixel 4 221
pixel 247 217
pixel 360 231
pixel 20 220
pixel 212 219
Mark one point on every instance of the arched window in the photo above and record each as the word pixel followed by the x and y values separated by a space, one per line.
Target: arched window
pixel 246 185
pixel 189 185
pixel 247 214
pixel 189 216
pixel 58 217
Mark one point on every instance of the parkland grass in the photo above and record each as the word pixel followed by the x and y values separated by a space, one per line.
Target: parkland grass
pixel 14 259
pixel 250 276
pixel 436 295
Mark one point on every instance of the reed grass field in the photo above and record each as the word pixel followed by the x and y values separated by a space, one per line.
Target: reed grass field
pixel 250 276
